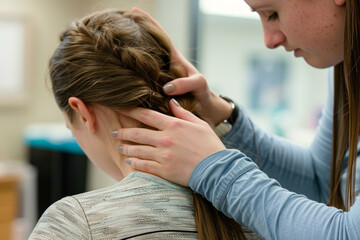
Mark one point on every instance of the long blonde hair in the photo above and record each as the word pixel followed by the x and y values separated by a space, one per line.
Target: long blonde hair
pixel 121 60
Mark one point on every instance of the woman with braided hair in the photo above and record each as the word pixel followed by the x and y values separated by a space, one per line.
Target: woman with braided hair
pixel 107 62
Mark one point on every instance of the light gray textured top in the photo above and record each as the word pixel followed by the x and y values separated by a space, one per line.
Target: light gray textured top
pixel 141 206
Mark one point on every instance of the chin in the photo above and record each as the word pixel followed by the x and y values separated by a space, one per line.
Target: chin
pixel 320 63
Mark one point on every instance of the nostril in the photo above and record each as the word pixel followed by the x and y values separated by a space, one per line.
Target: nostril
pixel 276 45
pixel 274 40
pixel 271 45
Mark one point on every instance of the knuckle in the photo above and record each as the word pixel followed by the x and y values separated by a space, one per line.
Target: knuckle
pixel 202 78
pixel 176 124
pixel 166 141
pixel 166 156
pixel 136 152
pixel 145 166
pixel 144 114
pixel 134 136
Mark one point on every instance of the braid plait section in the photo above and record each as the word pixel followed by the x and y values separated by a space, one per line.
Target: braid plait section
pixel 121 60
pixel 121 54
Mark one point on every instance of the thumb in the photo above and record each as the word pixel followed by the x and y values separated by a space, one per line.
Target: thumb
pixel 182 113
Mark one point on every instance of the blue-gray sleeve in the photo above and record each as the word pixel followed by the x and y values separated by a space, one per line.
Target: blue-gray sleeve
pixel 235 185
pixel 304 170
pixel 269 196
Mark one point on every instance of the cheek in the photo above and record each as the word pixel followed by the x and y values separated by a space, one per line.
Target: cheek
pixel 300 28
pixel 303 22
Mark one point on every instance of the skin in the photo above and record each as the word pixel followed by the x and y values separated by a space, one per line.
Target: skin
pixel 90 127
pixel 313 29
pixel 163 147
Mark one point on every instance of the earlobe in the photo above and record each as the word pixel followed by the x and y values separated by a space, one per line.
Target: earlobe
pixel 87 116
pixel 340 2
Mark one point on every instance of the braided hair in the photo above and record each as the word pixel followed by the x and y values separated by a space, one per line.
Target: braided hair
pixel 119 59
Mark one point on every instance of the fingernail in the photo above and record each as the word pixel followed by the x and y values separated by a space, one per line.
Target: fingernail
pixel 120 148
pixel 114 133
pixel 175 102
pixel 128 161
pixel 169 88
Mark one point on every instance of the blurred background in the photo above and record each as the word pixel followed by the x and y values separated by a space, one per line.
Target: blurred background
pixel 40 162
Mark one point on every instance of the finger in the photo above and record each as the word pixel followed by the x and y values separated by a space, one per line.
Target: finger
pixel 152 20
pixel 139 151
pixel 145 166
pixel 182 113
pixel 195 84
pixel 139 136
pixel 148 117
pixel 176 55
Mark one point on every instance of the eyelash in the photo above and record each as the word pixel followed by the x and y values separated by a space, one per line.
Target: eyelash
pixel 273 17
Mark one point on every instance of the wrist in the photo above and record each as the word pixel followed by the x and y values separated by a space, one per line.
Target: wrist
pixel 222 110
pixel 225 126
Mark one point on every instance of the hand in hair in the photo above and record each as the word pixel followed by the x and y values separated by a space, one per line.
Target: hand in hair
pixel 174 149
pixel 211 107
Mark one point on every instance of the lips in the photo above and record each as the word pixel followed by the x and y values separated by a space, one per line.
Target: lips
pixel 297 51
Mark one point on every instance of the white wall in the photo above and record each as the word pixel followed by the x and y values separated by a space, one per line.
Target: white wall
pixel 225 47
pixel 46 19
pixel 224 50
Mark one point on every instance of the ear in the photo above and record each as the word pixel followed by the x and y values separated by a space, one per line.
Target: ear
pixel 340 2
pixel 86 113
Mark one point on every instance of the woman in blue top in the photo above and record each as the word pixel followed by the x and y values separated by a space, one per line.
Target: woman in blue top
pixel 294 192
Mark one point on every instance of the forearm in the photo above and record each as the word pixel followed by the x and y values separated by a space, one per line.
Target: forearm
pixel 234 184
pixel 289 163
pixel 300 169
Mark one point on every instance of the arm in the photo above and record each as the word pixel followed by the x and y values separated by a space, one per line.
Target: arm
pixel 304 170
pixel 234 184
pixel 177 145
pixel 64 219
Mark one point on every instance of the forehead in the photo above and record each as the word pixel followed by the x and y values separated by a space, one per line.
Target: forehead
pixel 256 4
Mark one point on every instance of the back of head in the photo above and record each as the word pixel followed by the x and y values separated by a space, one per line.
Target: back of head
pixel 120 60
pixel 117 59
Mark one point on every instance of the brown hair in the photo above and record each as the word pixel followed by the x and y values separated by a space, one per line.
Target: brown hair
pixel 346 123
pixel 120 60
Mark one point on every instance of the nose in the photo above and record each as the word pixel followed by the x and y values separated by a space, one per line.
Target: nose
pixel 273 38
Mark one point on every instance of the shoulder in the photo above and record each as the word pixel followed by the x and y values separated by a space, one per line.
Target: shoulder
pixel 64 219
pixel 69 217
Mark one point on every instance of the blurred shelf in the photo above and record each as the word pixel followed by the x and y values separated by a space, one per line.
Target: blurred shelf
pixel 51 136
